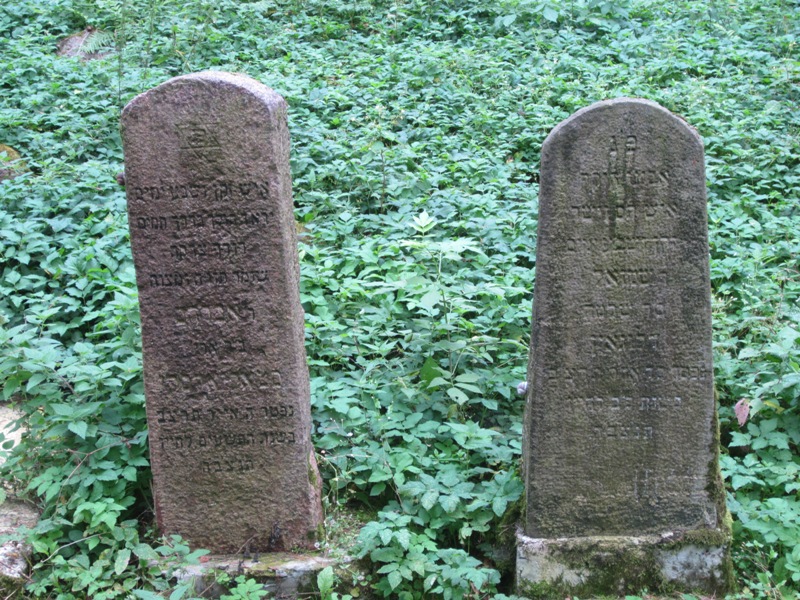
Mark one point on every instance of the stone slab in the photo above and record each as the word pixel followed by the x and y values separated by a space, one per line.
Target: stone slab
pixel 283 574
pixel 226 382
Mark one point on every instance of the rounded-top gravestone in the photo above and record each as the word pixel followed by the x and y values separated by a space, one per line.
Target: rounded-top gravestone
pixel 621 421
pixel 226 382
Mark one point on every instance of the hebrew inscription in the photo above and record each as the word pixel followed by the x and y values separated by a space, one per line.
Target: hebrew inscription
pixel 620 409
pixel 226 382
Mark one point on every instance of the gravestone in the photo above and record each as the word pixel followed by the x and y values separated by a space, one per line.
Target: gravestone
pixel 623 486
pixel 226 382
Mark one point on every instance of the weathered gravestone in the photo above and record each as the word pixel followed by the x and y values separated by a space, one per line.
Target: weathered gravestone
pixel 226 381
pixel 623 487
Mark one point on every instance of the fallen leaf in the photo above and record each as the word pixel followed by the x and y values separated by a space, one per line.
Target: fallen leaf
pixel 742 410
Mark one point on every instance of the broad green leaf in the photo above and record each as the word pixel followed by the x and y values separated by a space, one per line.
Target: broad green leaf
pixel 388 568
pixel 469 387
pixel 78 428
pixel 403 537
pixel 35 380
pixel 122 560
pixel 429 499
pixel 738 481
pixel 457 395
pixel 746 353
pixel 181 590
pixel 13 277
pixel 430 370
pixel 63 410
pixel 449 503
pixel 499 505
pixel 325 580
pixel 194 557
pixel 146 595
pixel 438 382
pixel 430 299
pixel 550 14
pixel 468 378
pixel 145 552
pixel 388 555
pixel 394 579
pixel 429 582
pixel 386 536
pixel 380 473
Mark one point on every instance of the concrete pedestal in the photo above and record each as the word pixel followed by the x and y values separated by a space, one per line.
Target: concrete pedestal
pixel 696 561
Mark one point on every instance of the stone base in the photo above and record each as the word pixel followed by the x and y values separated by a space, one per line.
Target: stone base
pixel 694 561
pixel 283 574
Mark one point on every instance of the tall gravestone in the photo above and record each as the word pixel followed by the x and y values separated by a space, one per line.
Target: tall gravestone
pixel 226 382
pixel 623 486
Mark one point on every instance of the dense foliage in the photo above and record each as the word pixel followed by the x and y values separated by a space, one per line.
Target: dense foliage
pixel 416 129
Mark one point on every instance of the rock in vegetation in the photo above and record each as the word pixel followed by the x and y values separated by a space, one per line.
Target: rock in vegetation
pixel 86 45
pixel 11 163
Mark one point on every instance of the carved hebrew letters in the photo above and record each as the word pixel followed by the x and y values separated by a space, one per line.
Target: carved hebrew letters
pixel 226 383
pixel 620 401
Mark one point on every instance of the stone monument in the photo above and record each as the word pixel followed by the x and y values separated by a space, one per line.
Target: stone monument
pixel 226 382
pixel 621 447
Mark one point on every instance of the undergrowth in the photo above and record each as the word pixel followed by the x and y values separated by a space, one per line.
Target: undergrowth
pixel 416 130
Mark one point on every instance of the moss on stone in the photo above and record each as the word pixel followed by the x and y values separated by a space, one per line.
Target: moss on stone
pixel 704 538
pixel 716 489
pixel 313 478
pixel 319 533
pixel 543 591
pixel 714 486
pixel 614 567
pixel 619 566
pixel 11 588
pixel 727 583
pixel 267 565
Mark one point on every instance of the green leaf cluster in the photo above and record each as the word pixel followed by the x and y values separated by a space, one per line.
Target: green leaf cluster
pixel 416 128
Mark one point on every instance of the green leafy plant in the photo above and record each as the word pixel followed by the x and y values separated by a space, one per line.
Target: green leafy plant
pixel 244 589
pixel 416 129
